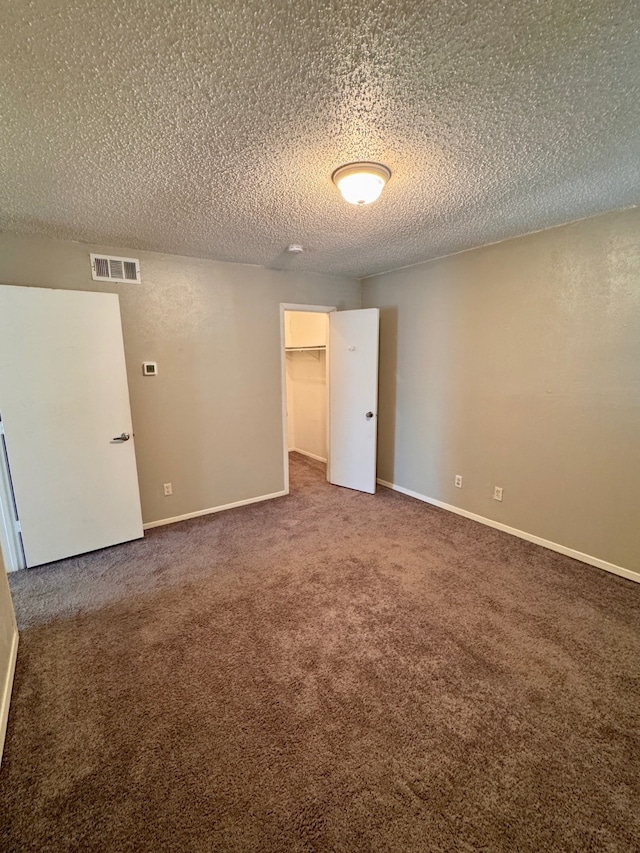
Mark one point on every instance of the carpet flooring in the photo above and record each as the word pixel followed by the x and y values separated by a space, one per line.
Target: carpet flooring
pixel 328 671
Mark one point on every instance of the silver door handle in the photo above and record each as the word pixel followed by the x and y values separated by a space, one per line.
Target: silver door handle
pixel 124 436
pixel 369 415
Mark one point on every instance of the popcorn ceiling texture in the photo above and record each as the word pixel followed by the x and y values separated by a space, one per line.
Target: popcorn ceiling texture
pixel 212 129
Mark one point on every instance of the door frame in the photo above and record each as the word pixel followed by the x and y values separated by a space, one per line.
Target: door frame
pixel 10 542
pixel 312 309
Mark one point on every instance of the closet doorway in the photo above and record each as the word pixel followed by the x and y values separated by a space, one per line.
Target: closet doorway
pixel 330 390
pixel 306 334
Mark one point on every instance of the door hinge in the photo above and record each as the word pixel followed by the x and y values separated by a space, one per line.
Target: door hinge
pixel 18 526
pixel 1 428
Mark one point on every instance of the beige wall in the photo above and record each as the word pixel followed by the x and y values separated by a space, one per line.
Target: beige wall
pixel 8 638
pixel 291 430
pixel 211 421
pixel 519 365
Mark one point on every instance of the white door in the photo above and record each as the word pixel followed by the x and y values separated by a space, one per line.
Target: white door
pixel 353 398
pixel 64 404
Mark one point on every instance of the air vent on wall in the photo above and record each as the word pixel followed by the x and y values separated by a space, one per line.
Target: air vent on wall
pixel 108 268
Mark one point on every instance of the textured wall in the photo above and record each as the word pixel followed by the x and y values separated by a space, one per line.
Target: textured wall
pixel 519 365
pixel 212 128
pixel 211 421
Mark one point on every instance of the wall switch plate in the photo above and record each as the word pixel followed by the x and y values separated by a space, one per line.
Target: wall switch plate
pixel 458 481
pixel 497 493
pixel 149 368
pixel 168 489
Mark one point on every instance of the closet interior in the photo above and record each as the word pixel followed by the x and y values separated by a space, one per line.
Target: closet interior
pixel 306 377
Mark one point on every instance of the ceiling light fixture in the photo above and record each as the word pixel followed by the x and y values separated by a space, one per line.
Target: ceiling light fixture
pixel 361 183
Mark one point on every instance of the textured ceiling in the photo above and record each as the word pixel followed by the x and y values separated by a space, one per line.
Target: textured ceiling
pixel 212 128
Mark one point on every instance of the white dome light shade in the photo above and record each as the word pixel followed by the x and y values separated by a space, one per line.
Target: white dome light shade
pixel 361 183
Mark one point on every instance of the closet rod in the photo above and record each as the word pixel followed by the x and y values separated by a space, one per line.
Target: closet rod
pixel 304 349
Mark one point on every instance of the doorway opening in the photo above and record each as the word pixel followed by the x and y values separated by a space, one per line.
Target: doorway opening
pixel 305 341
pixel 331 409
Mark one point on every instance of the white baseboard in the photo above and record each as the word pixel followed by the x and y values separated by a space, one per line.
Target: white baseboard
pixel 306 453
pixel 537 540
pixel 5 699
pixel 162 521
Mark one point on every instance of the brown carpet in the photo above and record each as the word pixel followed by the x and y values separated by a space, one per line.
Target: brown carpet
pixel 325 672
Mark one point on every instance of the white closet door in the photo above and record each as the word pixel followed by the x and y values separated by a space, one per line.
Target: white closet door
pixel 353 401
pixel 64 403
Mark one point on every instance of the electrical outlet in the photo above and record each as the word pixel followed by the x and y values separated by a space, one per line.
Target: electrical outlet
pixel 497 493
pixel 168 489
pixel 458 481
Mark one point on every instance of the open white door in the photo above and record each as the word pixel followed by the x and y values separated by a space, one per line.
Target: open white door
pixel 64 403
pixel 353 398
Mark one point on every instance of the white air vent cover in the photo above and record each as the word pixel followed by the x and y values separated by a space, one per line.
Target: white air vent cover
pixel 108 268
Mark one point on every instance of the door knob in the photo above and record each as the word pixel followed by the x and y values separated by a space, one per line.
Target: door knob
pixel 369 415
pixel 124 436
